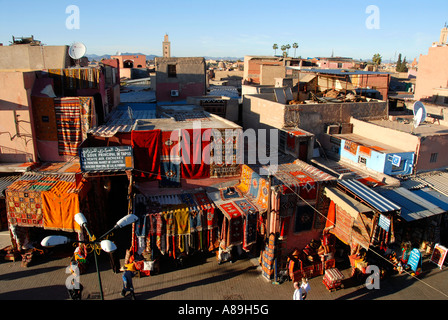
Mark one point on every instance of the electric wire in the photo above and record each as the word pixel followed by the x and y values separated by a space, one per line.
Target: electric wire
pixel 379 255
pixel 310 205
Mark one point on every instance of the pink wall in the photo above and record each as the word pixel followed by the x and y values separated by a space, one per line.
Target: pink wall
pixel 137 60
pixel 379 82
pixel 325 64
pixel 163 90
pixel 432 72
pixel 16 144
pixel 431 145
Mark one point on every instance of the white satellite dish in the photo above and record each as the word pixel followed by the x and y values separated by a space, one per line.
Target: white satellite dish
pixel 77 50
pixel 419 113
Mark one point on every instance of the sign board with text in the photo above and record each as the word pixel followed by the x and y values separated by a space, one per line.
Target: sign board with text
pixel 384 222
pixel 439 254
pixel 415 259
pixel 117 158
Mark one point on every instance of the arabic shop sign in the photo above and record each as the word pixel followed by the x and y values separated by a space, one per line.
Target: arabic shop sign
pixel 106 158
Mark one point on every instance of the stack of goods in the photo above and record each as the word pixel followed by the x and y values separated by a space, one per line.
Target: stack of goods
pixel 308 262
pixel 310 251
pixel 268 258
pixel 358 262
pixel 333 279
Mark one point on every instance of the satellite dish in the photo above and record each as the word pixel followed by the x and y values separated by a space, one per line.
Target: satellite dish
pixel 419 113
pixel 77 50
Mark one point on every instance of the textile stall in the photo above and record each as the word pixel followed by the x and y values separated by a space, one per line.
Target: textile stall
pixel 42 201
pixel 170 160
pixel 239 226
pixel 364 220
pixel 293 184
pixel 296 191
pixel 68 81
pixel 171 225
pixel 147 147
pixel 379 224
pixel 63 120
pixel 224 160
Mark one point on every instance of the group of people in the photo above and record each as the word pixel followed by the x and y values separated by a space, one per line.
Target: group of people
pixel 75 288
pixel 301 291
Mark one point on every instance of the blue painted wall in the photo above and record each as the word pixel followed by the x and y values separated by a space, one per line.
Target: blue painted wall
pixel 379 161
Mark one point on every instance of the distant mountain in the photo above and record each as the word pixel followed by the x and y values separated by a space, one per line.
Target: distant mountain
pixel 224 58
pixel 152 56
pixel 97 57
pixel 107 56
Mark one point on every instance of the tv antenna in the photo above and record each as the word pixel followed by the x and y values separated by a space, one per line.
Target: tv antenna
pixel 76 51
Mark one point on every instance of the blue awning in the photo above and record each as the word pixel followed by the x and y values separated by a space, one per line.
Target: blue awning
pixel 369 195
pixel 434 197
pixel 413 207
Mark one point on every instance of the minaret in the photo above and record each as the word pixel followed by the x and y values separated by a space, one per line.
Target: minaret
pixel 166 47
pixel 443 35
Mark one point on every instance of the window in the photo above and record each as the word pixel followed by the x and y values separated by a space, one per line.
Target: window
pixel 304 218
pixel 171 71
pixel 433 157
pixel 445 100
pixel 339 65
pixel 362 160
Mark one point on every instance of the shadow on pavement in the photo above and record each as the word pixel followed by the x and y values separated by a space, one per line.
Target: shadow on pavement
pixel 218 278
pixel 43 293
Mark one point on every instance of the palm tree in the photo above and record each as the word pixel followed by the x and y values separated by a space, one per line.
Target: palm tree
pixel 283 48
pixel 275 47
pixel 295 46
pixel 288 46
pixel 376 59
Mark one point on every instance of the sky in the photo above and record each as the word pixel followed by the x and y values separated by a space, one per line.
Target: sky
pixel 231 28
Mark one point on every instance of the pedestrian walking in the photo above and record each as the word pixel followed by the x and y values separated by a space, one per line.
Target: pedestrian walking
pixel 305 287
pixel 298 292
pixel 128 274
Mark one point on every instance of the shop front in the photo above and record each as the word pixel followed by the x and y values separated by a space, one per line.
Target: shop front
pixel 38 204
pixel 171 227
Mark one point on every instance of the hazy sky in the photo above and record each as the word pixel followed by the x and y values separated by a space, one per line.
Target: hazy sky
pixel 232 28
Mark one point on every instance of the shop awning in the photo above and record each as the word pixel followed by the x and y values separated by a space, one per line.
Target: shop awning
pixel 413 207
pixel 45 200
pixel 368 195
pixel 346 202
pixel 433 196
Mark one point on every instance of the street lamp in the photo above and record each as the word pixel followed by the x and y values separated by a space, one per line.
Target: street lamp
pixel 105 245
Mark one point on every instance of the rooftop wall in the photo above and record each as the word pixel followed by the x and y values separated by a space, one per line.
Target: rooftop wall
pixel 432 72
pixel 16 134
pixel 401 140
pixel 262 111
pixel 34 57
pixel 190 79
pixel 315 117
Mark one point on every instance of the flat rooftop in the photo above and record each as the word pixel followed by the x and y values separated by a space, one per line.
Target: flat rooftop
pixel 371 143
pixel 407 125
pixel 339 72
pixel 185 120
